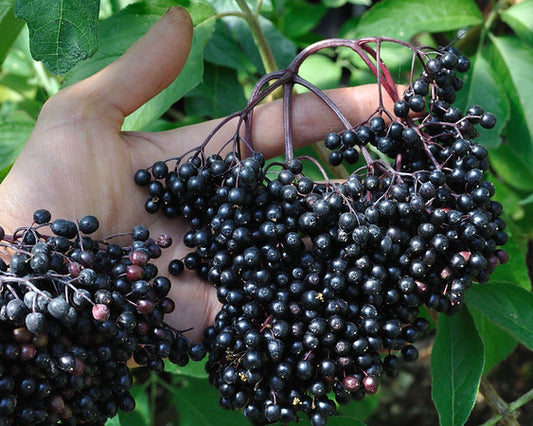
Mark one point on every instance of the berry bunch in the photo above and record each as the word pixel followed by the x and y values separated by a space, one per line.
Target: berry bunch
pixel 321 283
pixel 73 311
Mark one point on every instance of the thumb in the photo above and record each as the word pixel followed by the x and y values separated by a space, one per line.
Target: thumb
pixel 145 69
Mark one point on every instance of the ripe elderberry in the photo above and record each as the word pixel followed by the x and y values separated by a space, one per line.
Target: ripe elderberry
pixel 321 282
pixel 65 326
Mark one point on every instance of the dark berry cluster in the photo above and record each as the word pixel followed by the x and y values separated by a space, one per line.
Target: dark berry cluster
pixel 73 311
pixel 321 283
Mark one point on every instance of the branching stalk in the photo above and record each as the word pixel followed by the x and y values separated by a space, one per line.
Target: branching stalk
pixel 499 406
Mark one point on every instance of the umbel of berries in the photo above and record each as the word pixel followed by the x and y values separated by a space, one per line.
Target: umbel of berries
pixel 73 311
pixel 321 282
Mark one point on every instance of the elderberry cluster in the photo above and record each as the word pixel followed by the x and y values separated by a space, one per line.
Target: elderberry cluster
pixel 73 311
pixel 321 283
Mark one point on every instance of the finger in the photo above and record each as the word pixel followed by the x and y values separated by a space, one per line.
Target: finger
pixel 147 67
pixel 312 120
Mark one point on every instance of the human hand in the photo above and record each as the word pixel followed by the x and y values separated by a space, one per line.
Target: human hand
pixel 78 162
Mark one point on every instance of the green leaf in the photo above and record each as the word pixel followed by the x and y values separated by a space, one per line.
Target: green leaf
pixel 194 399
pixel 498 344
pixel 4 172
pixel 10 27
pixel 131 23
pixel 221 49
pixel 517 58
pixel 515 270
pixel 456 367
pixel 527 200
pixel 506 305
pixel 62 33
pixel 13 136
pixel 300 17
pixel 141 415
pixel 283 49
pixel 192 369
pixel 403 19
pixel 512 61
pixel 520 18
pixel 483 89
pixel 510 199
pixel 321 71
pixel 19 61
pixel 512 164
pixel 219 94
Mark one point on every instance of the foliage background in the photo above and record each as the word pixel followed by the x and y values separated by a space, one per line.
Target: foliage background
pixel 47 44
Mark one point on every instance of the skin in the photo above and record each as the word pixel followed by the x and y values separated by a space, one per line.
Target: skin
pixel 78 162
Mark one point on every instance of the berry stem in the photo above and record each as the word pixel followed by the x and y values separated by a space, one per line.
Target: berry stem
pixel 380 69
pixel 322 96
pixel 287 121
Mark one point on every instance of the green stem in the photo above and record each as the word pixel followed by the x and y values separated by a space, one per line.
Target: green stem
pixel 258 7
pixel 259 36
pixel 226 15
pixel 509 416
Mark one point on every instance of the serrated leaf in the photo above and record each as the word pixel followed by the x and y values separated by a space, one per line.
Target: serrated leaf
pixel 403 19
pixel 192 369
pixel 131 23
pixel 221 49
pixel 506 305
pixel 10 27
pixel 520 18
pixel 61 33
pixel 483 89
pixel 456 367
pixel 283 49
pixel 219 94
pixel 194 399
pixel 498 344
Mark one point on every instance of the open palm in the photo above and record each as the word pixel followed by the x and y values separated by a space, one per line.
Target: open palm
pixel 78 162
